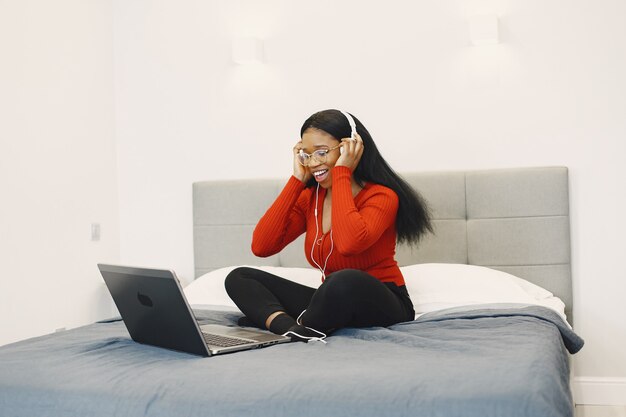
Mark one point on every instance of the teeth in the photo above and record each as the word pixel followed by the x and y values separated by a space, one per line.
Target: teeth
pixel 319 173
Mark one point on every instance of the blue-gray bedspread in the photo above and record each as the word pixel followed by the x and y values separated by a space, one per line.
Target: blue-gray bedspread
pixel 509 361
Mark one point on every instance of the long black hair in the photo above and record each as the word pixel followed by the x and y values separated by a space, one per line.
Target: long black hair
pixel 413 218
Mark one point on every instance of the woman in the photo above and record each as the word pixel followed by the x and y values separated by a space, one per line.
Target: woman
pixel 353 208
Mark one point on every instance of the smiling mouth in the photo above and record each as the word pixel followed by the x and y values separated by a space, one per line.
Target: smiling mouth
pixel 320 175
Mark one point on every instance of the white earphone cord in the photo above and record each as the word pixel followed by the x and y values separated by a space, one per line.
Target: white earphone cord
pixel 308 338
pixel 332 243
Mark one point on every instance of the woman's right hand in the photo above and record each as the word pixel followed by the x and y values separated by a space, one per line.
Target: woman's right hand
pixel 300 171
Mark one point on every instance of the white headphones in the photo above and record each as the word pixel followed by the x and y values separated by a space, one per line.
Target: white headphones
pixel 352 127
pixel 317 229
pixel 352 123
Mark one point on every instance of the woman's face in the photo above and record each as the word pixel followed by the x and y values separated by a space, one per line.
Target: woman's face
pixel 320 163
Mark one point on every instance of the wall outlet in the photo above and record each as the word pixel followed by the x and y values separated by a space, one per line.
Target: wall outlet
pixel 95 232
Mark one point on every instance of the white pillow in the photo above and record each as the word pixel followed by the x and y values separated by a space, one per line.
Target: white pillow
pixel 208 289
pixel 437 286
pixel 431 286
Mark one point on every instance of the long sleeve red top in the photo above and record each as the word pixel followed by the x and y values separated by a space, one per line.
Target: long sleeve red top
pixel 363 227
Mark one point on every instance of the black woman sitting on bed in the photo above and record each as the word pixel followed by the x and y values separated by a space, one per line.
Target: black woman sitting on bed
pixel 353 208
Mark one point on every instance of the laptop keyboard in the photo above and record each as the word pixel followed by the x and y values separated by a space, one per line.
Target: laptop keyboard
pixel 224 341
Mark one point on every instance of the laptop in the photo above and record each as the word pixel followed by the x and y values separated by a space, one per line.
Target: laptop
pixel 156 312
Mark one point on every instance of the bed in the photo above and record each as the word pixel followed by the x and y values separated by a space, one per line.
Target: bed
pixel 492 334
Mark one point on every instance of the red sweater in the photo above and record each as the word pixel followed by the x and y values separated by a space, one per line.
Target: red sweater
pixel 363 227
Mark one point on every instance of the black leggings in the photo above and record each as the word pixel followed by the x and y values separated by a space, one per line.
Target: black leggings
pixel 347 298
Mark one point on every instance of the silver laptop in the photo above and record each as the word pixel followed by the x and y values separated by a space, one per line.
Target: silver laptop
pixel 155 312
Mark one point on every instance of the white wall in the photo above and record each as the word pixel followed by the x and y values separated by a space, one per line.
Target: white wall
pixel 57 164
pixel 551 93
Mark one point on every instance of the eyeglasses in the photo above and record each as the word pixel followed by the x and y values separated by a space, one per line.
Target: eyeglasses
pixel 320 155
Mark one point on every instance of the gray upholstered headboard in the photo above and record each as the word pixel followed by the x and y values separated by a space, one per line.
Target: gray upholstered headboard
pixel 514 220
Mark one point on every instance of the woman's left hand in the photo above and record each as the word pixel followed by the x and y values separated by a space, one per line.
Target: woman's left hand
pixel 352 150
